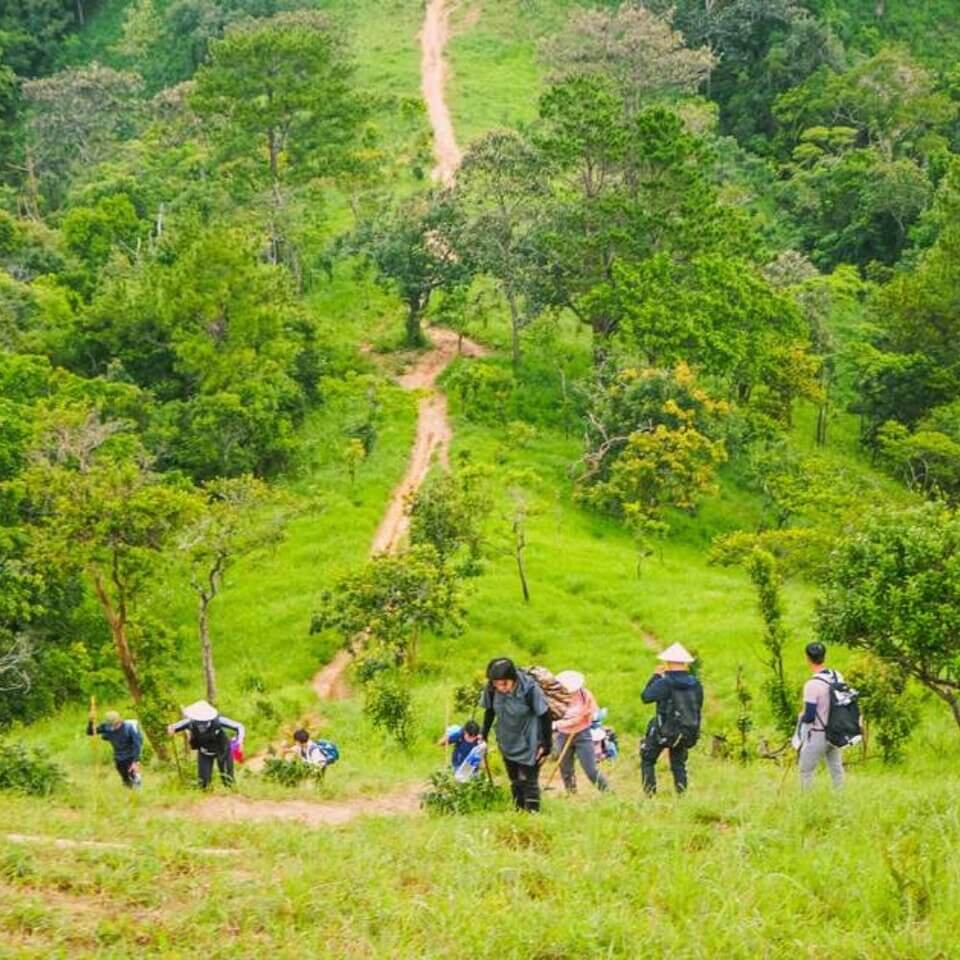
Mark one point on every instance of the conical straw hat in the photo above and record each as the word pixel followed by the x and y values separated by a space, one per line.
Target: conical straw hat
pixel 676 653
pixel 200 711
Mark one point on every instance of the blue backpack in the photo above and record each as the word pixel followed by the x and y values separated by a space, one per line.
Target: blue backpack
pixel 329 751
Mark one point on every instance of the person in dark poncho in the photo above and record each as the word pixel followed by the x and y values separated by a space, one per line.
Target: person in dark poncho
pixel 514 700
pixel 676 726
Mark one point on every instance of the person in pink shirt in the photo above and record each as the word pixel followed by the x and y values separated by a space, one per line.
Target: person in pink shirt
pixel 575 727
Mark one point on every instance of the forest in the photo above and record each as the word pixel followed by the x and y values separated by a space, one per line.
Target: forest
pixel 664 297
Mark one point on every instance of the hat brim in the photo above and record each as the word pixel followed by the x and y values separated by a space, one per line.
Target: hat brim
pixel 676 654
pixel 200 711
pixel 571 680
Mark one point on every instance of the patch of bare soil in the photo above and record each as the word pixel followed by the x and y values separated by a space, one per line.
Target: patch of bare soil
pixel 309 813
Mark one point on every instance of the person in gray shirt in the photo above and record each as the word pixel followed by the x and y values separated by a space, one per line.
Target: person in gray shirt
pixel 515 701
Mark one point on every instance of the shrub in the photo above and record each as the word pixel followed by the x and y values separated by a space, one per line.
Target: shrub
pixel 389 705
pixel 291 773
pixel 29 770
pixel 447 796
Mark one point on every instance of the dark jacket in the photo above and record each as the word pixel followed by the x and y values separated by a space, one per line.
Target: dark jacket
pixel 126 740
pixel 660 687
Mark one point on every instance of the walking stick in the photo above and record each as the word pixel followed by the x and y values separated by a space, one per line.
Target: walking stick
pixel 787 767
pixel 486 767
pixel 563 753
pixel 176 759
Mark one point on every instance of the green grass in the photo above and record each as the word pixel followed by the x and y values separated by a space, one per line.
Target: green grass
pixel 741 868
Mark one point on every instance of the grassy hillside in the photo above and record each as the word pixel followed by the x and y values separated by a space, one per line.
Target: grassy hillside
pixel 743 867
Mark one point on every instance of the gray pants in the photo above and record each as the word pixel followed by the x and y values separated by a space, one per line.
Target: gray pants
pixel 583 747
pixel 815 749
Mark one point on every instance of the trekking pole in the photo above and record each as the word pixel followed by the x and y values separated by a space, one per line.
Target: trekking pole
pixel 563 753
pixel 176 760
pixel 486 767
pixel 787 767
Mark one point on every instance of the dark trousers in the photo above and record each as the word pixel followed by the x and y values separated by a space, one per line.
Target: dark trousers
pixel 129 778
pixel 524 785
pixel 224 761
pixel 650 750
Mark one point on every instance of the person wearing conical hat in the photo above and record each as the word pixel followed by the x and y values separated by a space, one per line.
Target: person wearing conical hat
pixel 207 736
pixel 676 726
pixel 575 726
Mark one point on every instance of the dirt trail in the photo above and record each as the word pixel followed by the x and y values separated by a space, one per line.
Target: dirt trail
pixel 433 72
pixel 432 440
pixel 64 843
pixel 405 800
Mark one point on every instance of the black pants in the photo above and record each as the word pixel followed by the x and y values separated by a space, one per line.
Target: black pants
pixel 650 750
pixel 129 778
pixel 524 785
pixel 224 761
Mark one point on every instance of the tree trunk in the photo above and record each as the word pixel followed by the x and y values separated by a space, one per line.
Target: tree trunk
pixel 514 330
pixel 520 544
pixel 414 334
pixel 206 648
pixel 118 630
pixel 821 434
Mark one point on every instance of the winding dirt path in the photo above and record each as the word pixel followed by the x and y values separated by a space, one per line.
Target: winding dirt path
pixel 433 72
pixel 431 441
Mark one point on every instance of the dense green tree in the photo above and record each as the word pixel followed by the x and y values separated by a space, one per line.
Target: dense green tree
pixel 278 97
pixel 31 32
pixel 412 249
pixel 447 512
pixel 622 189
pixel 913 364
pixel 891 589
pixel 97 509
pixel 500 194
pixel 714 311
pixel 653 440
pixel 219 339
pixel 383 608
pixel 632 46
pixel 76 116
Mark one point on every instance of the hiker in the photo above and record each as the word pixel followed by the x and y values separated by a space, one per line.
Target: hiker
pixel 317 753
pixel 575 733
pixel 467 755
pixel 524 732
pixel 811 736
pixel 209 739
pixel 676 725
pixel 127 742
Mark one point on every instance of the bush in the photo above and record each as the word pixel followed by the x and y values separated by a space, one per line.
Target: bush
pixel 447 796
pixel 389 705
pixel 29 770
pixel 291 773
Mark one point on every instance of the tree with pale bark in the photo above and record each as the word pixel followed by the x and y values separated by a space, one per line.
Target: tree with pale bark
pixel 242 515
pixel 633 46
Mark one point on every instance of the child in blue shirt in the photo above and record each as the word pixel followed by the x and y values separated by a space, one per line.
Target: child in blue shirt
pixel 463 740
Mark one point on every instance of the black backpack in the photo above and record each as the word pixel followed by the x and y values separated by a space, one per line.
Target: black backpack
pixel 206 735
pixel 843 724
pixel 679 720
